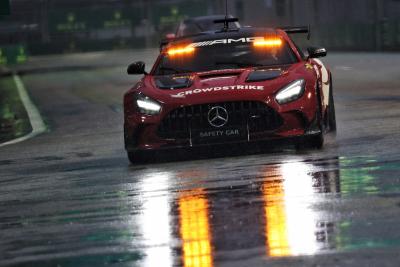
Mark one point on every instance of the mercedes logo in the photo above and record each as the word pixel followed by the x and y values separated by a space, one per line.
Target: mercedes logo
pixel 218 116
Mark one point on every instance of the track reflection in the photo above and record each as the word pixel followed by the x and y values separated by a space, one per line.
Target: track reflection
pixel 293 227
pixel 155 220
pixel 195 229
pixel 274 215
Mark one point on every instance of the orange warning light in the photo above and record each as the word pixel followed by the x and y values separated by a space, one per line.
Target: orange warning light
pixel 180 51
pixel 273 42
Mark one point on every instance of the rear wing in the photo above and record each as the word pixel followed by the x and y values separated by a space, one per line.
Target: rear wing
pixel 296 30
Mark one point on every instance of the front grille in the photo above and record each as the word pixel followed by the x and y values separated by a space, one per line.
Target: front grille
pixel 255 115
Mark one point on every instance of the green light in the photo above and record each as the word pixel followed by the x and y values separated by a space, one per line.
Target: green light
pixel 117 15
pixel 71 17
pixel 13 54
pixel 21 57
pixel 174 11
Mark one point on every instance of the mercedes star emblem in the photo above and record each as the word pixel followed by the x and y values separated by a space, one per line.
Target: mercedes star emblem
pixel 218 116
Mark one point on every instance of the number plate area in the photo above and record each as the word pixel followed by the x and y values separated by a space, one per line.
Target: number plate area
pixel 222 135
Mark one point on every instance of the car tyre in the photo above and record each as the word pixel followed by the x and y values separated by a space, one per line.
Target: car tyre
pixel 314 141
pixel 132 157
pixel 140 157
pixel 332 111
pixel 311 142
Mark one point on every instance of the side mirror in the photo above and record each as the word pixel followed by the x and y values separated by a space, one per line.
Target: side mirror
pixel 137 68
pixel 316 52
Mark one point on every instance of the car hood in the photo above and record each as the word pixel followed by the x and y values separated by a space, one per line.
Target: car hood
pixel 222 85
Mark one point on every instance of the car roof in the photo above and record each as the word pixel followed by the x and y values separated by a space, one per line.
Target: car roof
pixel 221 34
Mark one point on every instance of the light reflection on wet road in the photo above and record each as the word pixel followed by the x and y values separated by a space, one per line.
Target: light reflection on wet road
pixel 70 198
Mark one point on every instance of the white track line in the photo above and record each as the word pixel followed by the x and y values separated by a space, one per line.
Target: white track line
pixel 38 126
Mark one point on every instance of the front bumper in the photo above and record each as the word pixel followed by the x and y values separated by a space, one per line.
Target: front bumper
pixel 176 129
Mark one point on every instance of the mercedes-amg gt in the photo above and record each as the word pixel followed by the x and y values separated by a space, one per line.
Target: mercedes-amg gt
pixel 230 86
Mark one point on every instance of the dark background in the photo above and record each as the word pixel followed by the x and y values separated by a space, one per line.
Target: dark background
pixel 61 26
pixel 69 197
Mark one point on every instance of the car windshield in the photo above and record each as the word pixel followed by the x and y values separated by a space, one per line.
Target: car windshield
pixel 223 56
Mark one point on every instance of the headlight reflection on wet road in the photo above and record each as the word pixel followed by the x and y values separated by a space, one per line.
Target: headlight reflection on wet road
pixel 279 210
pixel 155 220
pixel 290 223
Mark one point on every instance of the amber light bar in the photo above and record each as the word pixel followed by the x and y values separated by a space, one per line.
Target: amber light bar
pixel 180 51
pixel 273 42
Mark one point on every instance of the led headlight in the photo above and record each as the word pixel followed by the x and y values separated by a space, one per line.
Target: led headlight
pixel 291 92
pixel 147 105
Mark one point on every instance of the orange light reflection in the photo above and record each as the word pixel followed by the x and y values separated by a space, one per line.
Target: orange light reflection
pixel 276 221
pixel 195 230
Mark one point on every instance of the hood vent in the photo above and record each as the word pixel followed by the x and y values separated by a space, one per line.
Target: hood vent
pixel 173 82
pixel 264 75
pixel 219 75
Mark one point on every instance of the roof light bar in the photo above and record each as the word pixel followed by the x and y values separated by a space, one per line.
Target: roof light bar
pixel 275 42
pixel 180 51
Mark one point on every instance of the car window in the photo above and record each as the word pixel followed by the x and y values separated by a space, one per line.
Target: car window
pixel 210 25
pixel 218 57
pixel 301 44
pixel 188 28
pixel 180 29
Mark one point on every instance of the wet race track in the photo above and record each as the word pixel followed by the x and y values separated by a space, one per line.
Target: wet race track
pixel 69 197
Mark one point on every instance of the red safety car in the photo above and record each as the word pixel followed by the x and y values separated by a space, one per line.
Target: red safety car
pixel 230 86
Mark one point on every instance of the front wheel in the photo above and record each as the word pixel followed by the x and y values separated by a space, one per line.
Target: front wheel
pixel 132 157
pixel 313 141
pixel 140 157
pixel 332 111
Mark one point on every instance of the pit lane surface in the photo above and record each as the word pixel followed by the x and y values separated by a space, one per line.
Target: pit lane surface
pixel 70 198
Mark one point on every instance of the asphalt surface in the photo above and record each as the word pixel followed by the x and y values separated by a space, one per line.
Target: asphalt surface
pixel 69 197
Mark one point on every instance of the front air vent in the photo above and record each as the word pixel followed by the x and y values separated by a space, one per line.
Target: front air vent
pixel 257 115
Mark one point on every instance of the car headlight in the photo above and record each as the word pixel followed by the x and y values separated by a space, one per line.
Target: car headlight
pixel 147 105
pixel 291 92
